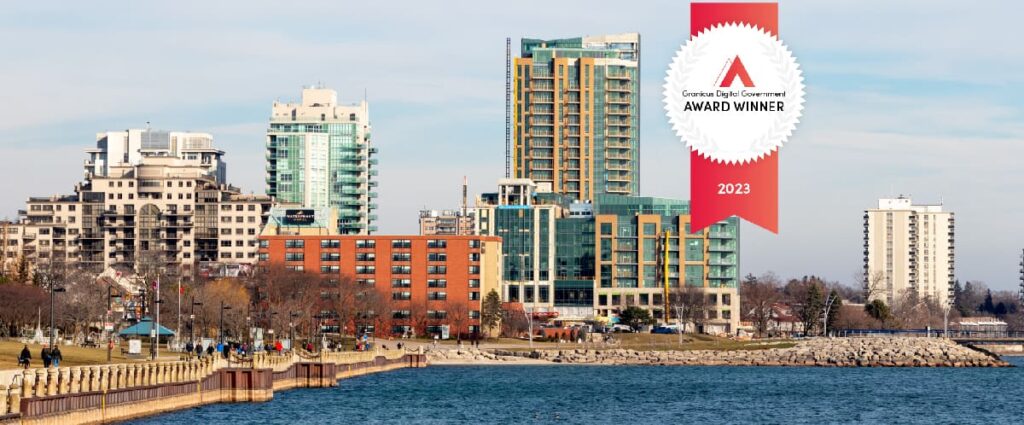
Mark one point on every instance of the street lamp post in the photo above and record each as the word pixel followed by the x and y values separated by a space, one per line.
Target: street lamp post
pixel 110 336
pixel 192 318
pixel 154 328
pixel 291 324
pixel 220 332
pixel 53 290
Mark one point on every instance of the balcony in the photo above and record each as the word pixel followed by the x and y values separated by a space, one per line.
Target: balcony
pixel 721 235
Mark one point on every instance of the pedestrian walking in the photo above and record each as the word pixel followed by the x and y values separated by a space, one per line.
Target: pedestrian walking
pixel 25 357
pixel 56 356
pixel 45 355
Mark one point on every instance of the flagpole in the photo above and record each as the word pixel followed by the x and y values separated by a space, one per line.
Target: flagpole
pixel 177 328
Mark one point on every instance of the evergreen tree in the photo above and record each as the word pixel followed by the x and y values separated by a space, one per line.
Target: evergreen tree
pixel 22 274
pixel 878 310
pixel 810 311
pixel 988 306
pixel 491 314
pixel 961 299
pixel 635 317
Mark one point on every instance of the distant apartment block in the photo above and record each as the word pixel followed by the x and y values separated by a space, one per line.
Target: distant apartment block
pixel 157 208
pixel 448 222
pixel 319 154
pixel 908 248
pixel 129 147
pixel 438 282
pixel 577 115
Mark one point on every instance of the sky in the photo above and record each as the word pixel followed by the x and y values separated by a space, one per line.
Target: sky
pixel 920 98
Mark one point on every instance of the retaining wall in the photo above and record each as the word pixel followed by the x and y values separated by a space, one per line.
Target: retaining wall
pixel 100 394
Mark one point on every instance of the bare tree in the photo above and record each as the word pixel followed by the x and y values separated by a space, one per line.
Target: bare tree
pixel 418 317
pixel 757 296
pixel 227 292
pixel 690 304
pixel 458 315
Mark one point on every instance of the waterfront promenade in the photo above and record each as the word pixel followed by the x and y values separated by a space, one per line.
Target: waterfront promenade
pixel 115 392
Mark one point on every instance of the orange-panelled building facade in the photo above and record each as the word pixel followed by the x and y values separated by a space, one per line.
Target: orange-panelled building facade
pixel 445 276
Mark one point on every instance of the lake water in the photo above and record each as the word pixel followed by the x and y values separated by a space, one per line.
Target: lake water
pixel 640 395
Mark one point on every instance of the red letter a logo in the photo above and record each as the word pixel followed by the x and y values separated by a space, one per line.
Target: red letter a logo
pixel 736 69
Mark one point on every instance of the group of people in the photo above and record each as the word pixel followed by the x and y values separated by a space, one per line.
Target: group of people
pixel 49 356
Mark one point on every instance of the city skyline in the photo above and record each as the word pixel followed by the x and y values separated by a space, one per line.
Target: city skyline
pixel 890 109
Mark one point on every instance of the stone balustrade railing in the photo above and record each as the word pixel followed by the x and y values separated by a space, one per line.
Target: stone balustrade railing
pixel 47 382
pixel 42 382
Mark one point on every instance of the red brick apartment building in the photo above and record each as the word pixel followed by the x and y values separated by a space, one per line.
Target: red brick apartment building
pixel 445 276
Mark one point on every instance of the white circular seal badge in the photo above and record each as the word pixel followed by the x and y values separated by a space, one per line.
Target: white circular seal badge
pixel 734 93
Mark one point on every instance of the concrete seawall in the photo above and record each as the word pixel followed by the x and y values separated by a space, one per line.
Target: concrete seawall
pixel 108 393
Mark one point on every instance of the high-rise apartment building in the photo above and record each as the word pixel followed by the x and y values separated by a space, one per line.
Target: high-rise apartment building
pixel 448 222
pixel 157 209
pixel 908 249
pixel 581 260
pixel 645 252
pixel 128 147
pixel 577 115
pixel 319 155
pixel 524 217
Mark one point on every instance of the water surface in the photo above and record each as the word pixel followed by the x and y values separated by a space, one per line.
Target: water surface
pixel 640 395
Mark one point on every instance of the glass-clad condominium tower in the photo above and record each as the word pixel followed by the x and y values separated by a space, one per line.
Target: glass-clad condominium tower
pixel 576 107
pixel 319 155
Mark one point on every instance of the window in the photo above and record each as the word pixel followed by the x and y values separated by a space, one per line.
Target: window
pixel 726 299
pixel 437 243
pixel 474 296
pixel 401 269
pixel 295 243
pixel 264 243
pixel 437 256
pixel 330 269
pixel 606 228
pixel 294 268
pixel 401 296
pixel 294 256
pixel 366 269
pixel 437 296
pixel 474 269
pixel 437 283
pixel 437 269
pixel 474 283
pixel 330 243
pixel 401 314
pixel 366 243
pixel 474 256
pixel 401 283
pixel 366 282
pixel 366 256
pixel 474 314
pixel 225 244
pixel 330 256
pixel 401 256
pixel 438 314
pixel 475 243
pixel 401 243
pixel 264 256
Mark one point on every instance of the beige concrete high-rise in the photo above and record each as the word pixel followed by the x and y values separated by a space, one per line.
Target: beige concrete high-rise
pixel 908 249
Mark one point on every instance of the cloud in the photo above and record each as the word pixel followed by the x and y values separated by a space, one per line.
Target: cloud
pixel 903 97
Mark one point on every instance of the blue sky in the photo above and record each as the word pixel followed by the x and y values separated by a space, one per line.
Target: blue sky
pixel 915 97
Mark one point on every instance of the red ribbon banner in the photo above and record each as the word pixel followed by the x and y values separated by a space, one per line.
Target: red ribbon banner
pixel 719 190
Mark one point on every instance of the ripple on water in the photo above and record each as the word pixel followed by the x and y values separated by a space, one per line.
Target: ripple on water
pixel 640 395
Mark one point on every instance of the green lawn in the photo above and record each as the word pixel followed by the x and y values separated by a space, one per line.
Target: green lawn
pixel 73 356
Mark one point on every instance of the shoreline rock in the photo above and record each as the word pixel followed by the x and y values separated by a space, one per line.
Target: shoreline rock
pixel 818 352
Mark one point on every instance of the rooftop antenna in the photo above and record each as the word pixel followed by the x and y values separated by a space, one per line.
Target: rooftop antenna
pixel 508 107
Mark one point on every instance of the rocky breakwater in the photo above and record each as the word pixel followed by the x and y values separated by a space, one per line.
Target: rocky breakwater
pixel 827 352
